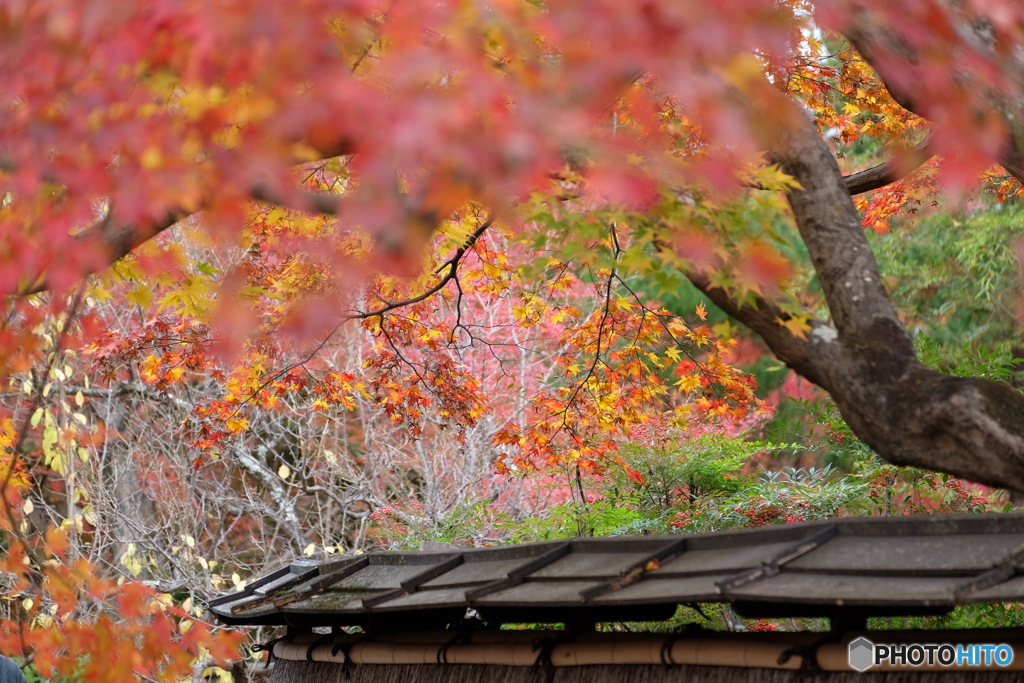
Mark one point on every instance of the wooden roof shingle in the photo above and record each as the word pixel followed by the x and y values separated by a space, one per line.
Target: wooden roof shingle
pixel 859 566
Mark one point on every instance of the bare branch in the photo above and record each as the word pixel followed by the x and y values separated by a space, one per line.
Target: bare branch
pixel 451 265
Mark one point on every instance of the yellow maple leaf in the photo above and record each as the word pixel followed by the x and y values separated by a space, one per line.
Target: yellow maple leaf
pixel 797 325
pixel 688 382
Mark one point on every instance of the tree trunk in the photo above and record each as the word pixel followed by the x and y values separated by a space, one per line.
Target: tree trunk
pixel 865 358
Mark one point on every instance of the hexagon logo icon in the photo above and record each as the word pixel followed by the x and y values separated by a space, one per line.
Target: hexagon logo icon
pixel 862 654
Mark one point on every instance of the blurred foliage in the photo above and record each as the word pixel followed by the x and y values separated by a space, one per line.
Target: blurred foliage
pixel 1010 615
pixel 957 282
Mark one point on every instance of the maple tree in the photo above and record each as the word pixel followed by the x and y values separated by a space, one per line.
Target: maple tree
pixel 497 195
pixel 434 109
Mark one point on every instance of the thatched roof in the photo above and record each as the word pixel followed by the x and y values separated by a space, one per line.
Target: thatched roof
pixel 535 657
pixel 845 569
pixel 321 672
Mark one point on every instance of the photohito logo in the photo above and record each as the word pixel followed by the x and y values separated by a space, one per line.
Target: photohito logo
pixel 865 654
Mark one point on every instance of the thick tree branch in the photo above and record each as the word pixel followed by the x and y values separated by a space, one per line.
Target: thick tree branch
pixel 909 414
pixel 831 228
pixel 887 172
pixel 900 68
pixel 805 355
pixel 323 203
pixel 873 178
pixel 117 238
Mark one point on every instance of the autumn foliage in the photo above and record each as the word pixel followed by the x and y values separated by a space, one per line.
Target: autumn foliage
pixel 262 259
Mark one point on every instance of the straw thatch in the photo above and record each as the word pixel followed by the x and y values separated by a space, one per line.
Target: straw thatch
pixel 553 657
pixel 286 671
